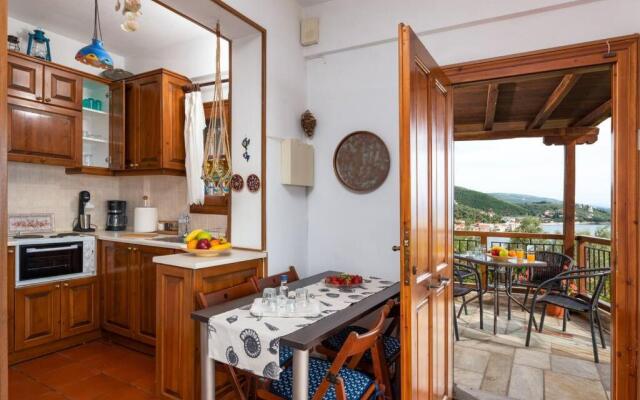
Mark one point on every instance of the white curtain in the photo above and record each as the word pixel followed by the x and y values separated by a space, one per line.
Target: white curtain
pixel 194 125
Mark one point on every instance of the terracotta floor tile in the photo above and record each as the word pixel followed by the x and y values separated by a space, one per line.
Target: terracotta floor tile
pixel 146 382
pixel 42 365
pixel 52 396
pixel 27 390
pixel 69 373
pixel 132 367
pixel 126 394
pixel 92 387
pixel 87 351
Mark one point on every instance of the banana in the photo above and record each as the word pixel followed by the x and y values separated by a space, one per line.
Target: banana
pixel 192 235
pixel 219 247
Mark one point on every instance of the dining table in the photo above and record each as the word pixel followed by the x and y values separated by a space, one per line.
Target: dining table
pixel 504 268
pixel 221 327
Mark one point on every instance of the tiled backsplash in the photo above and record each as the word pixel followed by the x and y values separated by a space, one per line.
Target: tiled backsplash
pixel 45 189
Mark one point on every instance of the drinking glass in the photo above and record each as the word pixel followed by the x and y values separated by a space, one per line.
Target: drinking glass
pixel 269 298
pixel 531 253
pixel 519 254
pixel 302 297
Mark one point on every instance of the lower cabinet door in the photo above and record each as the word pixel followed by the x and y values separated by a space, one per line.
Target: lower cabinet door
pixel 79 306
pixel 145 293
pixel 37 315
pixel 117 288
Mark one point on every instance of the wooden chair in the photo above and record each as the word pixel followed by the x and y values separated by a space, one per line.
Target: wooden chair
pixel 390 347
pixel 274 280
pixel 339 379
pixel 241 383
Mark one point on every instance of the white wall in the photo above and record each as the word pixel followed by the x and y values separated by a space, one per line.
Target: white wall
pixel 63 49
pixel 352 85
pixel 286 205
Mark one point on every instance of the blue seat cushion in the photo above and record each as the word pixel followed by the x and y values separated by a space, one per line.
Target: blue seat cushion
pixel 286 354
pixel 391 344
pixel 355 383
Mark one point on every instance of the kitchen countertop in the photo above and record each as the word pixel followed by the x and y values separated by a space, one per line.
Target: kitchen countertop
pixel 123 237
pixel 190 261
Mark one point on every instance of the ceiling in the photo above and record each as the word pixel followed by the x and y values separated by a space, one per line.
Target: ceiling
pixel 307 3
pixel 556 106
pixel 74 19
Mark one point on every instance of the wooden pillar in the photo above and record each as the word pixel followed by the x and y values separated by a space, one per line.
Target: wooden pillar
pixel 569 199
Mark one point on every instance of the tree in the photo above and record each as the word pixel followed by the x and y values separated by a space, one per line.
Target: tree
pixel 603 232
pixel 530 225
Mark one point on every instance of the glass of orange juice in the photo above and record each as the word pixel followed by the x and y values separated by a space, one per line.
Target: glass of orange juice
pixel 519 254
pixel 531 254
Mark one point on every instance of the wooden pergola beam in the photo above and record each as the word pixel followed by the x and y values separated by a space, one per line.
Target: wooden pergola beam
pixel 492 102
pixel 559 93
pixel 569 211
pixel 596 116
pixel 574 132
pixel 566 140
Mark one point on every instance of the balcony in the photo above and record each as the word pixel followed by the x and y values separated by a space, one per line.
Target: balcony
pixel 495 366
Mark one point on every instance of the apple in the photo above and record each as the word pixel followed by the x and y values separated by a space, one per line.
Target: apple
pixel 203 244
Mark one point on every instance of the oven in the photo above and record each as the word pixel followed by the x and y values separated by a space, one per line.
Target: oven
pixel 47 260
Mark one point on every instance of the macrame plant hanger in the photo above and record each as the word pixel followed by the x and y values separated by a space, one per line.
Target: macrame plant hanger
pixel 216 168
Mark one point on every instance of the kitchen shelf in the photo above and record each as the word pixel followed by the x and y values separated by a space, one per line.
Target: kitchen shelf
pixel 96 112
pixel 95 140
pixel 86 170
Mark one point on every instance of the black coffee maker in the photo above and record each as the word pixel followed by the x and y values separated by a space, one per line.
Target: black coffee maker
pixel 83 221
pixel 116 215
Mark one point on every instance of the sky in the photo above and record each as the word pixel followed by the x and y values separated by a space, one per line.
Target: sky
pixel 527 166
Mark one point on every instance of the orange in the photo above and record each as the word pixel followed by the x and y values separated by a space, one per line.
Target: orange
pixel 192 244
pixel 214 242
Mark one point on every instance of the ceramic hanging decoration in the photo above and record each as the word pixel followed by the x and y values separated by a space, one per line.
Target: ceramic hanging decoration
pixel 253 183
pixel 95 54
pixel 245 143
pixel 216 168
pixel 237 183
pixel 131 12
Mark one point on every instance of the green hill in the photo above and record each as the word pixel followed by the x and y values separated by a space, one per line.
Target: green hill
pixel 517 198
pixel 484 202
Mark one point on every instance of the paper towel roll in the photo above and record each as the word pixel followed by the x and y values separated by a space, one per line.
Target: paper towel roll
pixel 145 219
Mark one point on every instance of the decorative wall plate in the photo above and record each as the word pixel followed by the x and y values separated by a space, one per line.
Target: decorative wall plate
pixel 237 183
pixel 31 223
pixel 361 161
pixel 253 183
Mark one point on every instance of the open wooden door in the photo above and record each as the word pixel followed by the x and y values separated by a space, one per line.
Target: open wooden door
pixel 426 206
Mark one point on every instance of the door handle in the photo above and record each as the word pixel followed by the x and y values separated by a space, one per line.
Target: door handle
pixel 396 248
pixel 39 98
pixel 65 284
pixel 47 100
pixel 442 282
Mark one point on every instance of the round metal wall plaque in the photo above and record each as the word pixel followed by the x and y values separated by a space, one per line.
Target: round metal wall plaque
pixel 361 162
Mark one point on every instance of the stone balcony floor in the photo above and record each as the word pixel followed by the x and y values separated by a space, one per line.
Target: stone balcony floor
pixel 557 365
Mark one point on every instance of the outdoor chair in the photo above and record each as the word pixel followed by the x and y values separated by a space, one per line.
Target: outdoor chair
pixel 460 289
pixel 575 304
pixel 557 263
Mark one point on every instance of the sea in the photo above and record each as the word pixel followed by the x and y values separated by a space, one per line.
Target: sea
pixel 556 227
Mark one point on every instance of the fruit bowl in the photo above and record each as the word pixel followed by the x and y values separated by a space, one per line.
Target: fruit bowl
pixel 208 252
pixel 343 281
pixel 500 258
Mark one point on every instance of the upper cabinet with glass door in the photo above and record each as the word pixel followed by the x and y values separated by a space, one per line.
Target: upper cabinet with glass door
pixel 95 124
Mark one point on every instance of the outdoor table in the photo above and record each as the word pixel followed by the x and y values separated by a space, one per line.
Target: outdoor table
pixel 500 267
pixel 301 339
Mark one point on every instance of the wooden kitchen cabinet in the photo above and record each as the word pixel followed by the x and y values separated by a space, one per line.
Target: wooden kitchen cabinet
pixel 62 88
pixel 154 104
pixel 11 282
pixel 42 134
pixel 79 307
pixel 43 82
pixel 37 315
pixel 25 78
pixel 117 287
pixel 129 290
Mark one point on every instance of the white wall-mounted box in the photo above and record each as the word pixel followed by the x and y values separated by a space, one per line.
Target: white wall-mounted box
pixel 296 163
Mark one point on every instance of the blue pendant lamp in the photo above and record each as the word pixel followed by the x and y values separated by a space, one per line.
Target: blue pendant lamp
pixel 95 54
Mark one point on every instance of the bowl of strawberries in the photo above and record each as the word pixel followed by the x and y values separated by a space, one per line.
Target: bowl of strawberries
pixel 343 281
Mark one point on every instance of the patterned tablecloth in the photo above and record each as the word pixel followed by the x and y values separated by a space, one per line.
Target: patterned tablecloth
pixel 252 343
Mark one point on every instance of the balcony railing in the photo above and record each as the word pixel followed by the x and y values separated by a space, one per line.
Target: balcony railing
pixel 591 252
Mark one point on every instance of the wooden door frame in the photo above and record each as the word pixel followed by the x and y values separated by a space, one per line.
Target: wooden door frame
pixel 4 350
pixel 625 316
